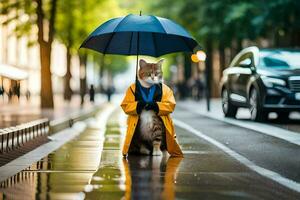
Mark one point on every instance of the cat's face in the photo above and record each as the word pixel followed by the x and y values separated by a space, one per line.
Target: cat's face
pixel 151 73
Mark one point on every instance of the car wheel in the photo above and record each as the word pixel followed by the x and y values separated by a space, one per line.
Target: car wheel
pixel 228 108
pixel 256 108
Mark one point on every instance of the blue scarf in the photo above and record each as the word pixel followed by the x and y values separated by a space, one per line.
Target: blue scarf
pixel 148 98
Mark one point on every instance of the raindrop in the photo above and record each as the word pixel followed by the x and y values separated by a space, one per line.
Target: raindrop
pixel 81 195
pixel 88 188
pixel 97 178
pixel 97 186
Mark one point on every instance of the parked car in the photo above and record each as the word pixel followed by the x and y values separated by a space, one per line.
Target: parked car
pixel 263 80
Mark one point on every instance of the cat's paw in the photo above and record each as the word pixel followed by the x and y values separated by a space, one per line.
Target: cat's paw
pixel 144 150
pixel 156 152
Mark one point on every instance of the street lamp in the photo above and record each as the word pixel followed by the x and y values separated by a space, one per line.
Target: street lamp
pixel 201 55
pixel 194 58
pixel 199 58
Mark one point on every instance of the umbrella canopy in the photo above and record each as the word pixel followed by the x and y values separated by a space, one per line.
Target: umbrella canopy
pixel 140 35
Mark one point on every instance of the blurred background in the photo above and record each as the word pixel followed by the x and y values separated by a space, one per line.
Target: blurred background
pixel 40 39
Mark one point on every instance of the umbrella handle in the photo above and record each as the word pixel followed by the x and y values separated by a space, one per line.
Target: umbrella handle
pixel 137 57
pixel 136 67
pixel 137 54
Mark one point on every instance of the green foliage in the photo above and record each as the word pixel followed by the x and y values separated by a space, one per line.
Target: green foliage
pixel 77 18
pixel 115 64
pixel 221 21
pixel 226 20
pixel 21 12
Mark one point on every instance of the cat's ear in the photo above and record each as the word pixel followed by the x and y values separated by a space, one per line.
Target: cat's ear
pixel 160 62
pixel 143 63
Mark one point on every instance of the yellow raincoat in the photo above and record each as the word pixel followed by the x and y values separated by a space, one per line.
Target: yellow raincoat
pixel 166 106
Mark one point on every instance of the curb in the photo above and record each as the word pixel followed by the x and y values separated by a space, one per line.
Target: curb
pixel 57 125
pixel 17 141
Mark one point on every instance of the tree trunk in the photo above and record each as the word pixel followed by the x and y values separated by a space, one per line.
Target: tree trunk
pixel 208 70
pixel 233 51
pixel 46 83
pixel 68 91
pixel 222 57
pixel 45 53
pixel 83 85
pixel 187 66
pixel 185 90
pixel 239 44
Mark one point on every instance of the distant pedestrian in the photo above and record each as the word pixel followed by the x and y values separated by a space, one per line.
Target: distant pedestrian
pixel 110 90
pixel 28 95
pixel 18 91
pixel 10 94
pixel 1 91
pixel 92 93
pixel 197 89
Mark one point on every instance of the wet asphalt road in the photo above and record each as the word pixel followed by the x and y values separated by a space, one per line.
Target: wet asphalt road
pixel 92 167
pixel 266 151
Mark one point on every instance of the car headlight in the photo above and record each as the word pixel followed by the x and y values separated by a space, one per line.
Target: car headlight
pixel 270 82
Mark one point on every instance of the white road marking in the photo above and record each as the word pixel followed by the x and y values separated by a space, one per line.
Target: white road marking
pixel 260 170
pixel 289 136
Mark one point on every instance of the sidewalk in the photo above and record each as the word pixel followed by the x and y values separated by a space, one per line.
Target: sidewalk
pixel 243 114
pixel 66 163
pixel 216 108
pixel 13 114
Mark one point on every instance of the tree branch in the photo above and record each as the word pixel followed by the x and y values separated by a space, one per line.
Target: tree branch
pixel 40 18
pixel 52 21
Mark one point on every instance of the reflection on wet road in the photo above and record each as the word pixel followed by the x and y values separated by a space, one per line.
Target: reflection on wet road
pixel 151 177
pixel 137 177
pixel 92 167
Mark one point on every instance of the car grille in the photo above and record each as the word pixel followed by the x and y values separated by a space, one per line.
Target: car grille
pixel 294 83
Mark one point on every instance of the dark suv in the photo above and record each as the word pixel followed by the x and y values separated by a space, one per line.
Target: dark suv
pixel 264 80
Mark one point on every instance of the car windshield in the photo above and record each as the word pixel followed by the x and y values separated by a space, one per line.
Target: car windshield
pixel 279 59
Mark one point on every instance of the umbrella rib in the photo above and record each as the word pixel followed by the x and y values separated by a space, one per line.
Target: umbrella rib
pixel 186 43
pixel 130 43
pixel 160 24
pixel 154 44
pixel 119 23
pixel 106 46
pixel 112 35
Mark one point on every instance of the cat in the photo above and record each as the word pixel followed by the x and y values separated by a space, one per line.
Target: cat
pixel 150 137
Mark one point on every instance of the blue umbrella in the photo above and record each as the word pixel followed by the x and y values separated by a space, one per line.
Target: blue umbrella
pixel 140 35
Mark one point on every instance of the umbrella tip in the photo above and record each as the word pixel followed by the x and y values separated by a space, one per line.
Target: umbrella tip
pixel 140 13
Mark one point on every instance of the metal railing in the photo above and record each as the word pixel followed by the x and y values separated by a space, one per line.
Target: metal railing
pixel 14 137
pixel 25 176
